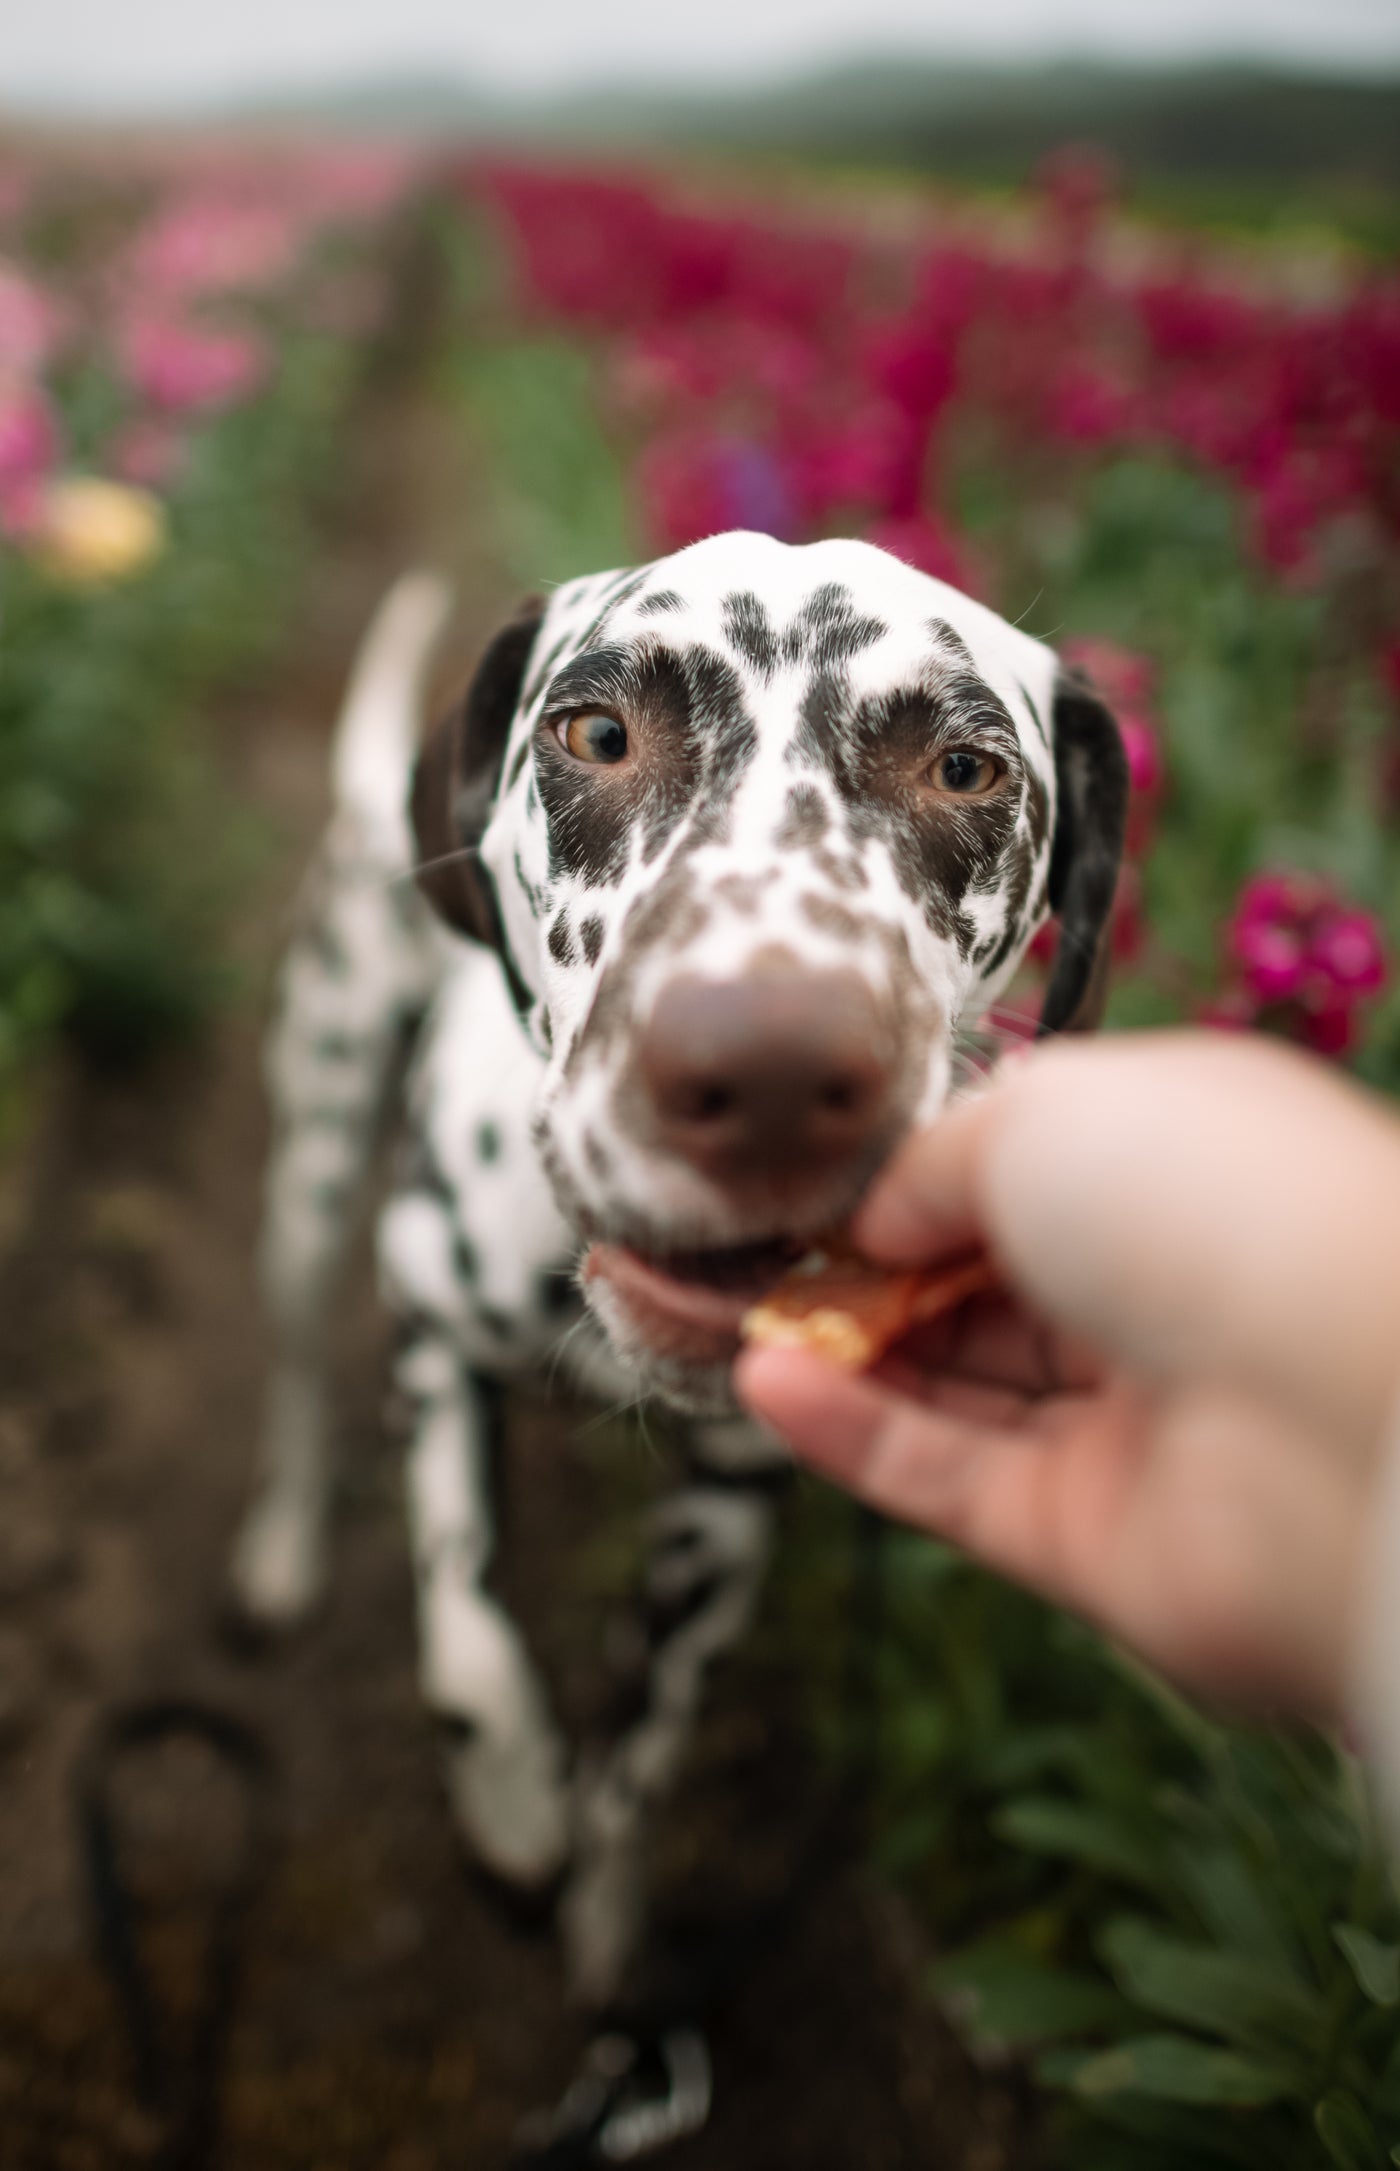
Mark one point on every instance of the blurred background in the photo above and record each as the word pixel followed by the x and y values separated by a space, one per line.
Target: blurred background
pixel 1093 311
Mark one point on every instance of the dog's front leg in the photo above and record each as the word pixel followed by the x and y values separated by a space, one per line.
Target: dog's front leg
pixel 707 1550
pixel 505 1759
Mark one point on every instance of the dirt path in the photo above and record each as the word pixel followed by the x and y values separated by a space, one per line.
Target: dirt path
pixel 389 2019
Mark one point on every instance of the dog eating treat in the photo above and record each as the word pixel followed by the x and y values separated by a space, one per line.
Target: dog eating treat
pixel 685 912
pixel 843 1307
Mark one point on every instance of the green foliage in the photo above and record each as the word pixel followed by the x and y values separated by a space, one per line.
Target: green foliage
pixel 1189 1929
pixel 118 850
pixel 560 503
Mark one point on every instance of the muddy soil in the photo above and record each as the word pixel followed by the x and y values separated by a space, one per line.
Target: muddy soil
pixel 388 2017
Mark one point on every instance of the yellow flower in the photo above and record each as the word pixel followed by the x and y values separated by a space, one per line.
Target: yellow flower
pixel 91 532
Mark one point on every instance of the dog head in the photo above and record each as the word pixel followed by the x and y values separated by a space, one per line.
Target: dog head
pixel 757 829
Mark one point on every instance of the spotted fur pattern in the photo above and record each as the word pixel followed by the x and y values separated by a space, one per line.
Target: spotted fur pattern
pixel 790 695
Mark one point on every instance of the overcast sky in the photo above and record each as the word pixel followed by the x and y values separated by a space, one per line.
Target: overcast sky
pixel 139 52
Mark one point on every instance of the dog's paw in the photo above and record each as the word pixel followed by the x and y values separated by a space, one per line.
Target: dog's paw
pixel 277 1573
pixel 510 1801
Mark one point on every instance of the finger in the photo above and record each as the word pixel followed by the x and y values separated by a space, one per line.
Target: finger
pixel 924 1206
pixel 997 1340
pixel 951 1394
pixel 919 1462
pixel 1040 1500
pixel 829 1418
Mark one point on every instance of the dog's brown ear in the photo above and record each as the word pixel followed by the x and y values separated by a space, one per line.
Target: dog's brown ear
pixel 1091 791
pixel 455 781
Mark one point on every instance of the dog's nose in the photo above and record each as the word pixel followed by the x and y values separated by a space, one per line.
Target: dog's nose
pixel 778 1072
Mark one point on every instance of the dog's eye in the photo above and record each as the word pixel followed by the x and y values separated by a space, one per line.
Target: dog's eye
pixel 590 737
pixel 965 772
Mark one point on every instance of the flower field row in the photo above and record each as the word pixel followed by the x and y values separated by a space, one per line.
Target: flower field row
pixel 809 376
pixel 179 332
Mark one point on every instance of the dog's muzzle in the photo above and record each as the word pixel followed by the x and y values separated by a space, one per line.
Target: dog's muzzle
pixel 782 1090
pixel 768 1084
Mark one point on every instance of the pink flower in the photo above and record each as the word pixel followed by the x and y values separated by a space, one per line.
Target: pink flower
pixel 1123 677
pixel 209 244
pixel 1308 959
pixel 28 436
pixel 183 369
pixel 1346 949
pixel 28 449
pixel 913 363
pixel 1273 957
pixel 1144 753
pixel 1088 405
pixel 867 458
pixel 31 322
pixel 1330 1030
pixel 699 482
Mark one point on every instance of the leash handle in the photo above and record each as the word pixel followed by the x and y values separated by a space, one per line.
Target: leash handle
pixel 187 2101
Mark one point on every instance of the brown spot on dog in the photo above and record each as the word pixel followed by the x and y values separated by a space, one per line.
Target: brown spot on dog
pixel 596 1155
pixel 743 891
pixel 842 872
pixel 832 918
pixel 805 818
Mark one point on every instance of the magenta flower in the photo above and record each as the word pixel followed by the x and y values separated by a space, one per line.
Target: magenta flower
pixel 1089 405
pixel 1272 955
pixel 1307 959
pixel 1144 753
pixel 699 482
pixel 28 436
pixel 1346 949
pixel 183 369
pixel 29 444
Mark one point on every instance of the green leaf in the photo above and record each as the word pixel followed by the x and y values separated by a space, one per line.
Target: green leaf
pixel 1174 2069
pixel 1347 2134
pixel 1226 1992
pixel 1375 1964
pixel 1015 1998
pixel 1045 1824
pixel 1236 1904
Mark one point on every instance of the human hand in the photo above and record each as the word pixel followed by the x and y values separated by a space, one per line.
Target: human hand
pixel 1173 1423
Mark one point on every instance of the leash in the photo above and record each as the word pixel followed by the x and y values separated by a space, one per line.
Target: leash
pixel 182 2091
pixel 647 2084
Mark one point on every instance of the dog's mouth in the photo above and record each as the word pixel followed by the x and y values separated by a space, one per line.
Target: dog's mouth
pixel 690 1305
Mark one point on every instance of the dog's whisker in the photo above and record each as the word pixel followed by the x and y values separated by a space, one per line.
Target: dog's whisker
pixel 609 1416
pixel 561 1350
pixel 430 866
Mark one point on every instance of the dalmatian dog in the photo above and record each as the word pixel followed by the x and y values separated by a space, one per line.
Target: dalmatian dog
pixel 686 911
